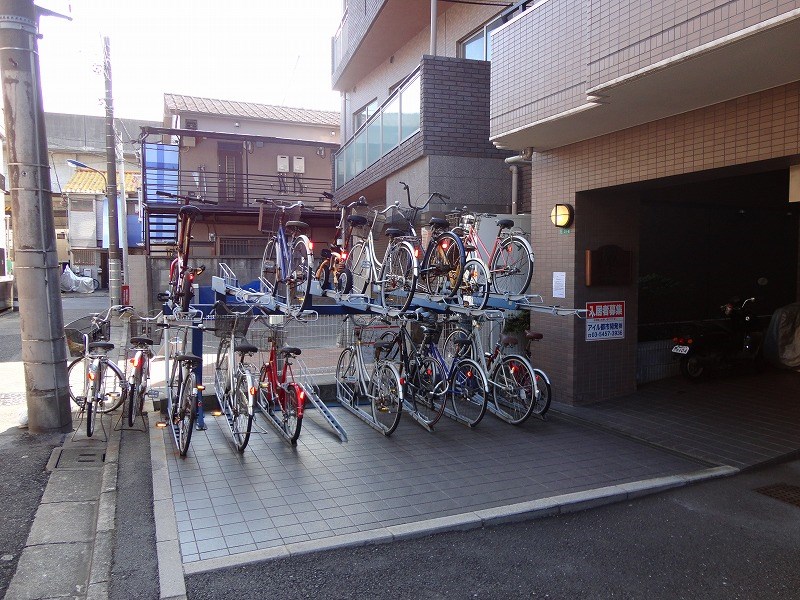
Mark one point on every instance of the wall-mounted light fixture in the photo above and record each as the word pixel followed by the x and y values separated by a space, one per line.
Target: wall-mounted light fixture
pixel 562 215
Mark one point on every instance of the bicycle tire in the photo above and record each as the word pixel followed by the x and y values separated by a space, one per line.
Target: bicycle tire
pixel 543 393
pixel 386 397
pixel 360 267
pixel 398 278
pixel 133 390
pixel 468 391
pixel 297 285
pixel 78 382
pixel 242 422
pixel 392 353
pixel 451 351
pixel 113 387
pixel 426 382
pixel 185 293
pixel 443 266
pixel 511 266
pixel 91 417
pixel 475 284
pixel 222 371
pixel 512 388
pixel 347 378
pixel 344 282
pixel 95 285
pixel 269 269
pixel 290 414
pixel 185 411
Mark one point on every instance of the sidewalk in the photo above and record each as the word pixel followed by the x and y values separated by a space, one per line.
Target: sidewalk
pixel 218 509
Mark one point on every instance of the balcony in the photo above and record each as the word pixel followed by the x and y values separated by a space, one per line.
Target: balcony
pixel 397 119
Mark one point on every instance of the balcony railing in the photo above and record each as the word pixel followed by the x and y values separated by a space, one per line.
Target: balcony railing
pixel 397 119
pixel 339 44
pixel 233 191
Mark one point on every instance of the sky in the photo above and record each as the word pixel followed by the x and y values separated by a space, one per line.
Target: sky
pixel 268 51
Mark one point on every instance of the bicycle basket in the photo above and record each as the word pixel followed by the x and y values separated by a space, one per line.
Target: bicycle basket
pixel 76 331
pixel 232 319
pixel 149 328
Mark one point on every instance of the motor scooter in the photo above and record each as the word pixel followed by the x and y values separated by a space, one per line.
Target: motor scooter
pixel 735 341
pixel 331 272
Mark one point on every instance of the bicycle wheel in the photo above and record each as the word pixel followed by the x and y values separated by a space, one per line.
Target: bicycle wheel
pixel 292 420
pixel 385 391
pixel 542 393
pixel 91 417
pixel 457 345
pixel 475 284
pixel 511 266
pixel 468 391
pixel 185 411
pixel 347 378
pixel 398 277
pixel 95 285
pixel 392 353
pixel 511 385
pixel 359 264
pixel 427 384
pixel 242 416
pixel 269 268
pixel 343 282
pixel 222 371
pixel 113 387
pixel 297 285
pixel 443 265
pixel 78 381
pixel 186 293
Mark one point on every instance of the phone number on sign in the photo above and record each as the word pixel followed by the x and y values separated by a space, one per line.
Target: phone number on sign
pixel 597 331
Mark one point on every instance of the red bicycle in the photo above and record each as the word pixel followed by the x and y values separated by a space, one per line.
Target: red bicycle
pixel 181 276
pixel 280 397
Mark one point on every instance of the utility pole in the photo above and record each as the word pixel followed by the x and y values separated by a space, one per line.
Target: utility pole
pixel 36 271
pixel 122 211
pixel 111 180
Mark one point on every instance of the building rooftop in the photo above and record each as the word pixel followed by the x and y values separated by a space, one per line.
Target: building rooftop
pixel 85 181
pixel 176 103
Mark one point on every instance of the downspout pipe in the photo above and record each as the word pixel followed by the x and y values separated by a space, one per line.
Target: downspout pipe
pixel 513 163
pixel 434 18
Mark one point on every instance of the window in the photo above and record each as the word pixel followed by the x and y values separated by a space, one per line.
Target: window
pixel 478 46
pixel 362 116
pixel 230 172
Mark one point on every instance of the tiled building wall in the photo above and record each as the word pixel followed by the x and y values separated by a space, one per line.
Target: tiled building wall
pixel 753 128
pixel 538 65
pixel 359 16
pixel 627 35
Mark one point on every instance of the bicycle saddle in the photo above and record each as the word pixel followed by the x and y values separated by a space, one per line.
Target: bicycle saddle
pixel 505 224
pixel 395 232
pixel 290 351
pixel 297 224
pixel 245 348
pixel 101 346
pixel 383 345
pixel 141 341
pixel 189 211
pixel 438 222
pixel 357 220
pixel 532 335
pixel 191 358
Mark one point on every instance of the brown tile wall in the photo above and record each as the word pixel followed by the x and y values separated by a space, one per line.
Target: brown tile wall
pixel 753 128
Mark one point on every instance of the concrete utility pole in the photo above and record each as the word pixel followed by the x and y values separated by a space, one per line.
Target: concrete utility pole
pixel 36 271
pixel 122 211
pixel 111 192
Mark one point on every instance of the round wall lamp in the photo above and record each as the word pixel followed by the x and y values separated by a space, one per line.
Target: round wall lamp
pixel 562 215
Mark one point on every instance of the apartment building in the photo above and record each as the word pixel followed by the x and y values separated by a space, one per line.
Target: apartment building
pixel 668 132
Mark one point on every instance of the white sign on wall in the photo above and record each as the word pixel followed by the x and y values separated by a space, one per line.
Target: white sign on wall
pixel 605 321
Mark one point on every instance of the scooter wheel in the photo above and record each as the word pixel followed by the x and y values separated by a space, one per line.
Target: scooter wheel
pixel 344 283
pixel 692 368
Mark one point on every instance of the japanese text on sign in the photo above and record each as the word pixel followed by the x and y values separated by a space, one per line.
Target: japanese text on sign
pixel 605 321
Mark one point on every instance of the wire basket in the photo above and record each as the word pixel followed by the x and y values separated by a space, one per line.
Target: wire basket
pixel 147 327
pixel 77 331
pixel 227 320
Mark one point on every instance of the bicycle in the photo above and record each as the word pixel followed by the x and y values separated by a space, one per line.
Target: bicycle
pixel 542 381
pixel 461 381
pixel 235 383
pixel 517 389
pixel 286 264
pixel 183 393
pixel 399 269
pixel 381 386
pixel 144 333
pixel 181 277
pixel 332 271
pixel 509 262
pixel 96 383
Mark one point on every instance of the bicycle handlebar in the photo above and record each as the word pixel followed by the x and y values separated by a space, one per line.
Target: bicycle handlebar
pixel 283 207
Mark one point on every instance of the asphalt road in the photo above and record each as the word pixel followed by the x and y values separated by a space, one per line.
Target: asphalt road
pixel 716 540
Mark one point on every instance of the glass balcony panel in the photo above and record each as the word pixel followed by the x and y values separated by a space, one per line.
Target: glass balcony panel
pixel 391 125
pixel 340 170
pixel 410 105
pixel 349 154
pixel 374 140
pixel 359 153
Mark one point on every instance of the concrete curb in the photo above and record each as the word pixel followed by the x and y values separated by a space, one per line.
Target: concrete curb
pixel 523 511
